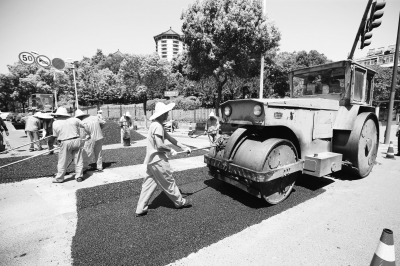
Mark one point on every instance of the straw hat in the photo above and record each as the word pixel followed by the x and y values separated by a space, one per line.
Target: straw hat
pixel 100 111
pixel 37 114
pixel 61 111
pixel 44 116
pixel 212 114
pixel 127 114
pixel 80 113
pixel 161 108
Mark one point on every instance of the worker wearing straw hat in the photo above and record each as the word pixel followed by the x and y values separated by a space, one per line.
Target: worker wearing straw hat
pixel 32 127
pixel 92 147
pixel 126 126
pixel 66 129
pixel 47 122
pixel 100 114
pixel 212 127
pixel 158 167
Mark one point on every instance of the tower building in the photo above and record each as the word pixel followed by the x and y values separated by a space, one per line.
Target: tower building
pixel 169 44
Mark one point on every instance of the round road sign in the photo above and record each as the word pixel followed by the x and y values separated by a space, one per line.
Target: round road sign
pixel 43 61
pixel 58 63
pixel 26 58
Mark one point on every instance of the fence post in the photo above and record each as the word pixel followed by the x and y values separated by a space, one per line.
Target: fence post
pixel 87 110
pixel 120 110
pixel 194 115
pixel 108 111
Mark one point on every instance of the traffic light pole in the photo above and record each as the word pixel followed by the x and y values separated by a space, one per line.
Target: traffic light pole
pixel 393 89
pixel 360 29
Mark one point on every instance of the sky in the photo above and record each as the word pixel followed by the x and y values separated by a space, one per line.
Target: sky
pixel 77 28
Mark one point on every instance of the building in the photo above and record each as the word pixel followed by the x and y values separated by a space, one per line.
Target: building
pixel 169 44
pixel 382 56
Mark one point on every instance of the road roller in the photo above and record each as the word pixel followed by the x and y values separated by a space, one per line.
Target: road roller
pixel 328 123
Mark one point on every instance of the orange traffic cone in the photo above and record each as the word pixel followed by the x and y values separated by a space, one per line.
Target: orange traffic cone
pixel 390 151
pixel 384 254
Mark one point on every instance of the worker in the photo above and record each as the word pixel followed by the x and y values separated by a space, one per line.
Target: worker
pixel 158 167
pixel 212 127
pixel 93 147
pixel 32 127
pixel 66 129
pixel 126 125
pixel 398 139
pixel 3 127
pixel 47 122
pixel 100 114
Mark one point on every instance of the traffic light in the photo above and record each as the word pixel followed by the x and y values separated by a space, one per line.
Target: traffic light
pixel 371 23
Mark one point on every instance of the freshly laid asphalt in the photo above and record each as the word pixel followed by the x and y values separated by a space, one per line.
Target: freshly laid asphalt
pixel 46 165
pixel 108 233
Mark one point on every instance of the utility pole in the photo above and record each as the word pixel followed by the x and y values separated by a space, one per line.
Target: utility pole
pixel 393 89
pixel 264 7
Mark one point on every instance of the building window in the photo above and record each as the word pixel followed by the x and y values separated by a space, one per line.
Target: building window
pixel 164 41
pixel 164 56
pixel 391 58
pixel 381 60
pixel 164 48
pixel 164 45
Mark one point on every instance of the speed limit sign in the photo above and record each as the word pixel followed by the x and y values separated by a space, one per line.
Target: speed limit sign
pixel 26 58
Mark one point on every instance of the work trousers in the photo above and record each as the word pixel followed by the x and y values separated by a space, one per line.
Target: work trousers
pixel 34 136
pixel 93 150
pixel 122 134
pixel 159 173
pixel 69 148
pixel 50 142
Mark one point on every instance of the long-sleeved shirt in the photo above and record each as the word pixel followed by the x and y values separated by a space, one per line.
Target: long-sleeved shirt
pixel 32 123
pixel 2 125
pixel 94 124
pixel 68 128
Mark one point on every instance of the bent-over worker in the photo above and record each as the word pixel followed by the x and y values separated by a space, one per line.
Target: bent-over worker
pixel 66 129
pixel 158 167
pixel 92 147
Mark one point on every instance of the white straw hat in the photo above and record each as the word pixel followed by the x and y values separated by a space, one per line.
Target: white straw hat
pixel 80 113
pixel 127 114
pixel 61 111
pixel 45 116
pixel 212 114
pixel 37 114
pixel 100 111
pixel 161 108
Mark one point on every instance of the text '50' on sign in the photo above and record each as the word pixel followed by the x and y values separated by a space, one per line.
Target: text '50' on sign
pixel 26 58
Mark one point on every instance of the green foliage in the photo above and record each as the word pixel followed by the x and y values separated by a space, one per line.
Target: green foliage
pixel 383 83
pixel 226 38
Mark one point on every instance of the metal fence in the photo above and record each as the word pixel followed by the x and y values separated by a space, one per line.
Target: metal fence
pixel 136 111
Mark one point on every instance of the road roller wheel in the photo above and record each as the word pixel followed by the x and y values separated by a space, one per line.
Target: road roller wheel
pixel 364 143
pixel 282 152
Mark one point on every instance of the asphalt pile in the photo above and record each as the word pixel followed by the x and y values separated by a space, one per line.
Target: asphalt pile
pixel 112 134
pixel 108 233
pixel 46 165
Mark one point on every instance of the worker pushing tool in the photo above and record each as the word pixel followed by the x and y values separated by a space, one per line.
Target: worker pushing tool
pixel 158 167
pixel 66 129
pixel 92 147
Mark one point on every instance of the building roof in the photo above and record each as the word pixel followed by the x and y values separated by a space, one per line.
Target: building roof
pixel 169 32
pixel 118 53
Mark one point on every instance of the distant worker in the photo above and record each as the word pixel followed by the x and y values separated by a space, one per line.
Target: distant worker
pixel 398 139
pixel 66 129
pixel 158 167
pixel 32 127
pixel 47 122
pixel 100 114
pixel 3 127
pixel 92 148
pixel 212 127
pixel 126 125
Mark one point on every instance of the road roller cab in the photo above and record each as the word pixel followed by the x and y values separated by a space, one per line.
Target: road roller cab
pixel 328 121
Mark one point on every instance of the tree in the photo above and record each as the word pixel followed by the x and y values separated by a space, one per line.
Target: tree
pixel 6 89
pixel 383 83
pixel 227 37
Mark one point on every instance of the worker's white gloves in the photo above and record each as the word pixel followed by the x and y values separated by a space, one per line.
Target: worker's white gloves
pixel 188 150
pixel 172 152
pixel 87 137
